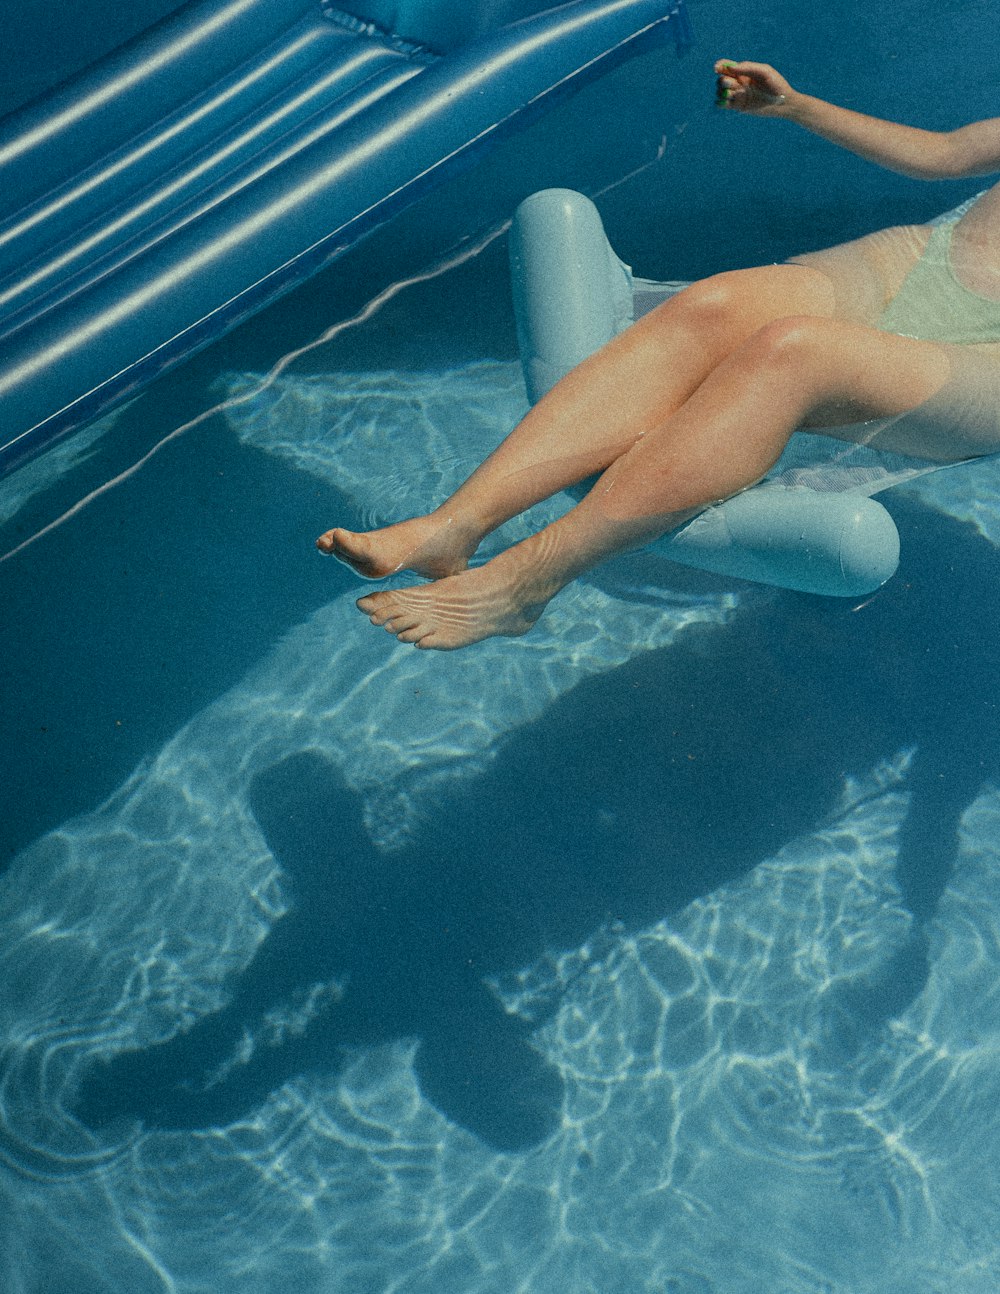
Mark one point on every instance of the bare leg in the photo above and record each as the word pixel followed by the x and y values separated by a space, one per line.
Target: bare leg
pixel 592 417
pixel 725 436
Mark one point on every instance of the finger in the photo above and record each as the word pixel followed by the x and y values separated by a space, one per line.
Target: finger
pixel 759 76
pixel 745 67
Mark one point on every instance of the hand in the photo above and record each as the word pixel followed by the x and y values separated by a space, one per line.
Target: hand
pixel 750 87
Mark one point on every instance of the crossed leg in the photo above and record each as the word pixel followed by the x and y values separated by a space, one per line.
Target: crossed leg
pixel 693 404
pixel 592 417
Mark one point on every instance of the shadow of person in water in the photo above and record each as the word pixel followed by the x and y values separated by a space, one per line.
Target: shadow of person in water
pixel 635 793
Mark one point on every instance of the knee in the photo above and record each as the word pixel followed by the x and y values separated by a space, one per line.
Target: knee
pixel 724 308
pixel 709 303
pixel 797 342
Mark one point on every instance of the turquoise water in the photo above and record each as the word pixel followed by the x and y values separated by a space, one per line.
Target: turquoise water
pixel 654 951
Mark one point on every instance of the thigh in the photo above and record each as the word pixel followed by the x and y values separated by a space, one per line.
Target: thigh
pixel 866 274
pixel 853 281
pixel 962 418
pixel 932 400
pixel 647 372
pixel 730 307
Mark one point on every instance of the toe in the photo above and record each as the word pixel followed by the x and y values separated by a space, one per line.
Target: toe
pixel 433 641
pixel 395 623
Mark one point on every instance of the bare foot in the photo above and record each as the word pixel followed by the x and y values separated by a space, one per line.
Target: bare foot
pixel 490 601
pixel 430 545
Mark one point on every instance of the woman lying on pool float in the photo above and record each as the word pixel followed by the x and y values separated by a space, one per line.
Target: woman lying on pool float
pixel 892 340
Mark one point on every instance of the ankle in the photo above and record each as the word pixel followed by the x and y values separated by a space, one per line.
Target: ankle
pixel 463 530
pixel 532 571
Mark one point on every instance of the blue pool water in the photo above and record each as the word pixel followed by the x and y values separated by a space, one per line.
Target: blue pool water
pixel 657 950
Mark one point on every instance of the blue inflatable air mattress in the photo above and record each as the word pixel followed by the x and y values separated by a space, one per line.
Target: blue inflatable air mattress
pixel 203 170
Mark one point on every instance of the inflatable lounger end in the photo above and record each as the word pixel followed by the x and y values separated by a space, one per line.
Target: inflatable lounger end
pixel 572 294
pixel 840 545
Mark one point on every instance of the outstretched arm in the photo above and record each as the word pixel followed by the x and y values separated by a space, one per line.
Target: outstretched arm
pixel 924 154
